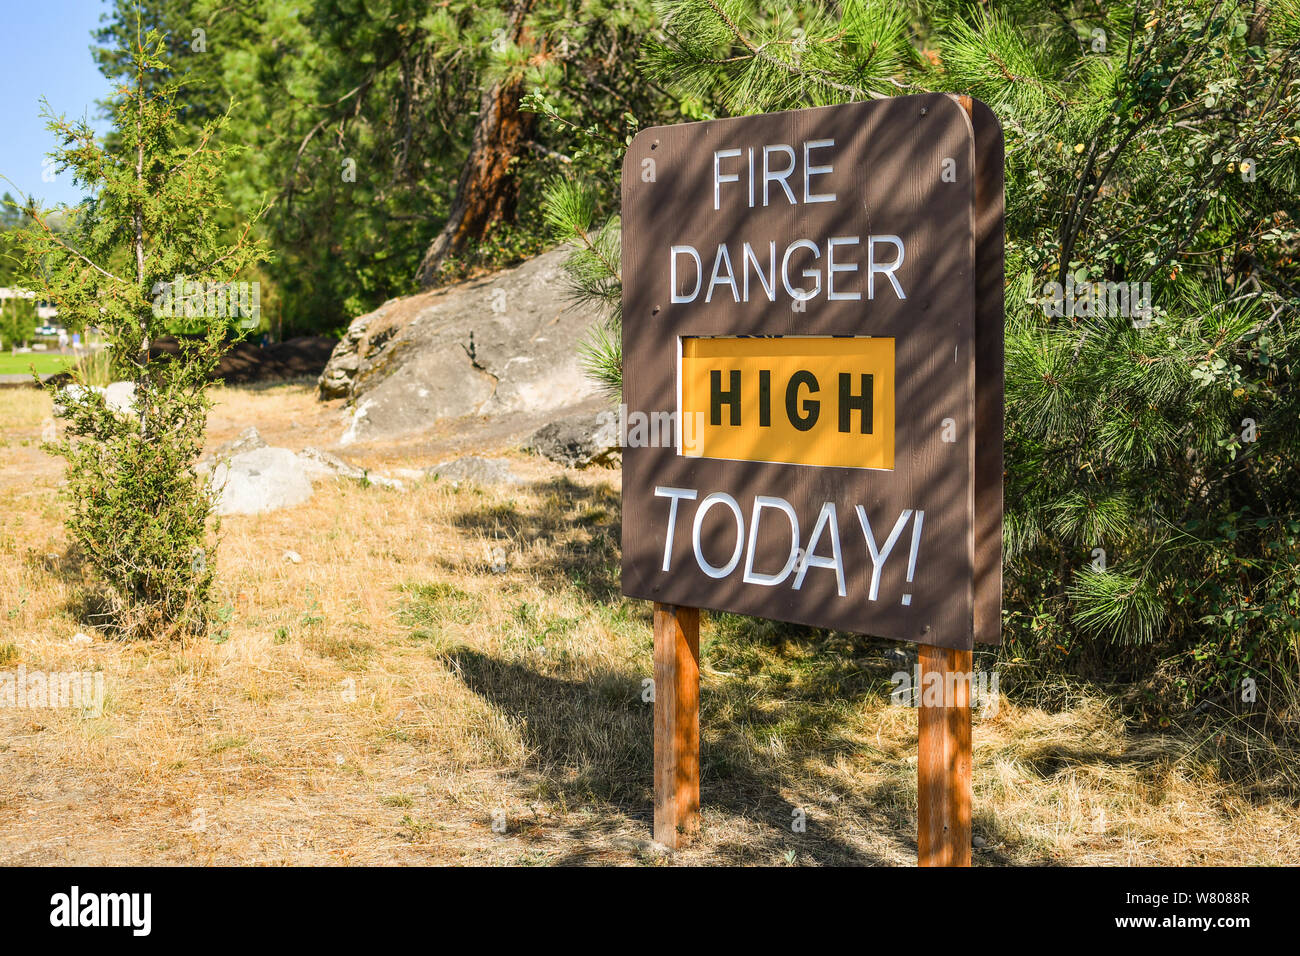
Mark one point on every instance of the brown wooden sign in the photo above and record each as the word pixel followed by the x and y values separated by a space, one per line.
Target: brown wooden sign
pixel 812 345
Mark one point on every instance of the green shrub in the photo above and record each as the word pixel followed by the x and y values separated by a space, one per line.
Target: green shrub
pixel 139 513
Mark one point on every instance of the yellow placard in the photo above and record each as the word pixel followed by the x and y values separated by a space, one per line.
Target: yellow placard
pixel 796 400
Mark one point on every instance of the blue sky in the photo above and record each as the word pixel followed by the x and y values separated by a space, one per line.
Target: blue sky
pixel 46 52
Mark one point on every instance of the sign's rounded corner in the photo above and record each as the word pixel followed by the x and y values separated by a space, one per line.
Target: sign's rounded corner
pixel 986 114
pixel 952 102
pixel 650 132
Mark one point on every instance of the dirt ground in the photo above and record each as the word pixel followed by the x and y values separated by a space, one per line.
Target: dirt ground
pixel 449 675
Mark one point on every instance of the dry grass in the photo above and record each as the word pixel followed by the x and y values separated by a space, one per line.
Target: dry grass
pixel 382 700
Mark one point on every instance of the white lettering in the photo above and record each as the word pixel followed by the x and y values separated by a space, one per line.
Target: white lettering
pixel 699 272
pixel 809 170
pixel 720 177
pixel 780 504
pixel 827 519
pixel 718 497
pixel 887 270
pixel 675 494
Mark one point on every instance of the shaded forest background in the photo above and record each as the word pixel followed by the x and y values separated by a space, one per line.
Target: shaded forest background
pixel 358 120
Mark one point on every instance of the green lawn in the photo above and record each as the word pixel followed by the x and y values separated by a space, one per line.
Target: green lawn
pixel 44 363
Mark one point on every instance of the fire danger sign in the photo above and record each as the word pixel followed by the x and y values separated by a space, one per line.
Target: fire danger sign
pixel 812 319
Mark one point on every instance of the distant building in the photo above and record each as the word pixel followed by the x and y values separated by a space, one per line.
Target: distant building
pixel 44 311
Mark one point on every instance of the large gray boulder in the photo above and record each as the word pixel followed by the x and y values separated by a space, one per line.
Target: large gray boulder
pixel 502 345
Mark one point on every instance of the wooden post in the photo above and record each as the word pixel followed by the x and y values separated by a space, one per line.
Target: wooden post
pixel 677 722
pixel 943 790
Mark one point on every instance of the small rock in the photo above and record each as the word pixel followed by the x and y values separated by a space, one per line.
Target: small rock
pixel 324 463
pixel 80 638
pixel 247 440
pixel 900 657
pixel 486 471
pixel 293 557
pixel 118 396
pixel 263 479
pixel 578 441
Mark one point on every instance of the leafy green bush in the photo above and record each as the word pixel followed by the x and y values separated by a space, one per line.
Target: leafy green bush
pixel 139 511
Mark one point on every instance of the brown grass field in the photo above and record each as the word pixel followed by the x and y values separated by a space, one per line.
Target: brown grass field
pixel 454 655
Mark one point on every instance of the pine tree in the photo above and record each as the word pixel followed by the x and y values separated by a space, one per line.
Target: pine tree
pixel 397 132
pixel 1153 487
pixel 139 512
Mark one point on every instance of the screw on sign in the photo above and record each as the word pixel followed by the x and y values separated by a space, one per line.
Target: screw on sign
pixel 815 299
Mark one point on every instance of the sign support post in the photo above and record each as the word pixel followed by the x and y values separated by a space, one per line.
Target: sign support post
pixel 677 722
pixel 943 764
pixel 813 387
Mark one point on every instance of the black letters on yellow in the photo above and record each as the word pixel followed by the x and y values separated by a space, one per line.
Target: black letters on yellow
pixel 811 408
pixel 849 401
pixel 718 398
pixel 765 398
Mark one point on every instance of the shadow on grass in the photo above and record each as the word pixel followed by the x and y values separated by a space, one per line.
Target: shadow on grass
pixel 577 527
pixel 85 602
pixel 780 708
pixel 591 741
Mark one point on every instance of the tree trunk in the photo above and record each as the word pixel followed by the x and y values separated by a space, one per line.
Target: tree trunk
pixel 137 222
pixel 487 191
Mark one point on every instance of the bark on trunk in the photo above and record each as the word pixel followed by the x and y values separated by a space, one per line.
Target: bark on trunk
pixel 137 222
pixel 487 191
